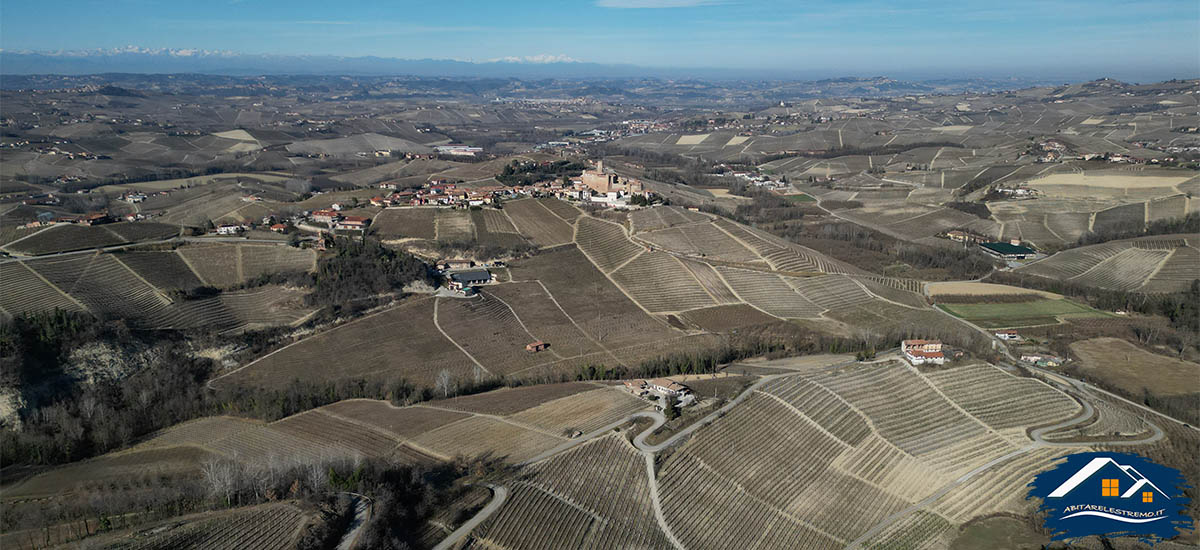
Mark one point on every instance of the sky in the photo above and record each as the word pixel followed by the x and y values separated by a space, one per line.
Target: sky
pixel 840 37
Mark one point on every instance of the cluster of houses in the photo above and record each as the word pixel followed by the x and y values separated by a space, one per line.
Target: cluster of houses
pixel 923 352
pixel 336 220
pixel 440 193
pixel 600 186
pixel 91 218
pixel 660 388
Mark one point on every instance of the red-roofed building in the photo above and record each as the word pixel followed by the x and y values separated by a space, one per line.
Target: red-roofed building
pixel 353 222
pixel 920 352
pixel 325 216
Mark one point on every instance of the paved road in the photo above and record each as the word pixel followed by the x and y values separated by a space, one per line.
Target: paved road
pixel 362 511
pixel 500 494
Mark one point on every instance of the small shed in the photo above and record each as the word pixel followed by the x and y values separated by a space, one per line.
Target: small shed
pixel 536 346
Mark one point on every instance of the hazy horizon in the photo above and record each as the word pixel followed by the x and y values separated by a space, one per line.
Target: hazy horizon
pixel 1058 39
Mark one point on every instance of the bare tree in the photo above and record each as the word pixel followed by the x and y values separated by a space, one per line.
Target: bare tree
pixel 444 383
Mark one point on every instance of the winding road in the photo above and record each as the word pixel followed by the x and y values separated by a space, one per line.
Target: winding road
pixel 1079 388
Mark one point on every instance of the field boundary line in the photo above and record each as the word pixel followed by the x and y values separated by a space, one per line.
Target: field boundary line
pixel 764 503
pixel 697 279
pixel 867 419
pixel 359 423
pixel 518 231
pixel 503 419
pixel 739 296
pixel 1161 264
pixel 626 262
pixel 868 291
pixel 573 322
pixel 522 323
pixel 241 272
pixel 656 501
pixel 613 281
pixel 955 405
pixel 438 326
pixel 42 230
pixel 808 419
pixel 188 263
pixel 363 318
pixel 746 246
pixel 602 521
pixel 54 286
pixel 157 292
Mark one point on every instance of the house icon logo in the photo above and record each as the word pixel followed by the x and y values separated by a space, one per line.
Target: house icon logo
pixel 1112 494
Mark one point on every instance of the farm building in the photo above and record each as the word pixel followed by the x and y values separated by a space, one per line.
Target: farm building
pixel 636 387
pixel 666 386
pixel 456 264
pixel 920 352
pixel 659 386
pixel 1042 360
pixel 353 222
pixel 536 346
pixel 229 229
pixel 325 216
pixel 1009 334
pixel 1008 251
pixel 459 281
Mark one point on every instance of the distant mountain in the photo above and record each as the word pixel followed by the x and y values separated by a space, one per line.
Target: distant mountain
pixel 163 61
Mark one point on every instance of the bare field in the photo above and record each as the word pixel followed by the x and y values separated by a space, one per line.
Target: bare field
pixel 398 343
pixel 506 401
pixel 1122 364
pixel 414 223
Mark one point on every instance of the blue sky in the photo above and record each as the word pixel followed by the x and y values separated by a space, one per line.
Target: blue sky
pixel 845 37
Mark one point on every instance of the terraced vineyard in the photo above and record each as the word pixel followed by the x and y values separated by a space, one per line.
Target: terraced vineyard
pixel 488 330
pixel 216 264
pixel 727 318
pixel 564 210
pixel 1153 264
pixel 538 223
pixel 605 244
pixel 590 300
pixel 770 293
pixel 576 484
pixel 22 290
pixel 1008 401
pixel 1127 270
pixel 1176 273
pixel 658 218
pixel 660 283
pixel 712 282
pixel 480 435
pixel 165 270
pixel 585 412
pixel 65 238
pixel 542 316
pixel 830 291
pixel 267 527
pixel 260 260
pixel 367 347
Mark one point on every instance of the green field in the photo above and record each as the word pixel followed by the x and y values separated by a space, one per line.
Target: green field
pixel 1022 314
pixel 802 197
